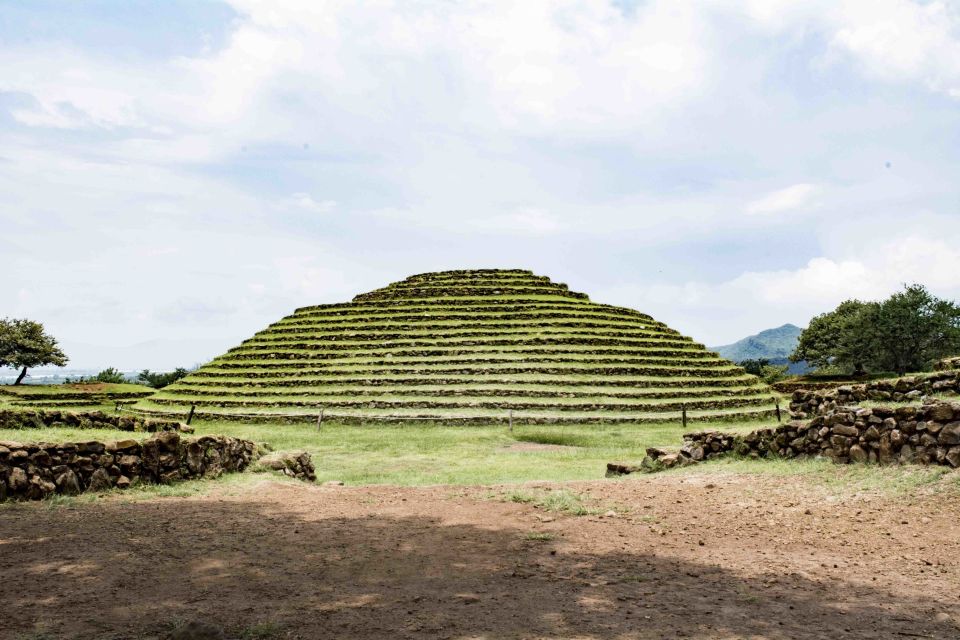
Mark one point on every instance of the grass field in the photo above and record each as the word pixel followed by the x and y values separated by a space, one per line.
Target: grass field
pixel 428 454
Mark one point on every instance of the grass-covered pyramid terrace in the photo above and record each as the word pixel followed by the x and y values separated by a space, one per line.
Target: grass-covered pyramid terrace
pixel 470 347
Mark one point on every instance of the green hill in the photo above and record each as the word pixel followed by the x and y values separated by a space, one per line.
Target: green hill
pixel 468 346
pixel 772 344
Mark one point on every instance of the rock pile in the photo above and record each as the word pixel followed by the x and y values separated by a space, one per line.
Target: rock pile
pixel 947 364
pixel 294 464
pixel 806 403
pixel 929 434
pixel 36 470
pixel 41 419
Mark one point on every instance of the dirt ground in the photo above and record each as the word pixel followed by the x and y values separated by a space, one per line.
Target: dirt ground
pixel 685 557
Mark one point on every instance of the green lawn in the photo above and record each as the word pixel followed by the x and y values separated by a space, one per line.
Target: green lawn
pixel 428 454
pixel 425 453
pixel 418 453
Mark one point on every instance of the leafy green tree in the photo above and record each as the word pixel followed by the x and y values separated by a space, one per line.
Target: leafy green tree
pixel 25 344
pixel 905 332
pixel 835 339
pixel 160 380
pixel 110 375
pixel 913 328
pixel 762 368
pixel 773 373
pixel 754 367
pixel 107 376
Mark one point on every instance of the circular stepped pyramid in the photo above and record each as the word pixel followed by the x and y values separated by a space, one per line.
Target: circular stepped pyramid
pixel 468 347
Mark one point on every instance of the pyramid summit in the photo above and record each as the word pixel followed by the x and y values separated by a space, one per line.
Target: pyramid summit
pixel 468 346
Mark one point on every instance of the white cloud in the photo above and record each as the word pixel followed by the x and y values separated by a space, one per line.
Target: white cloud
pixel 754 300
pixel 902 41
pixel 526 220
pixel 791 198
pixel 305 202
pixel 898 40
pixel 588 140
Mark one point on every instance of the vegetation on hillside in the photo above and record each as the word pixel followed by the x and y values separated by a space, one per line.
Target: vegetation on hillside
pixel 769 345
pixel 906 332
pixel 24 344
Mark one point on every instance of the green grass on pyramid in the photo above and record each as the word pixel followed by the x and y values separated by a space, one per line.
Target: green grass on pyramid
pixel 468 347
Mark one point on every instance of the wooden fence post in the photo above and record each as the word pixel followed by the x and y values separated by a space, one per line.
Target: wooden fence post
pixel 683 414
pixel 320 419
pixel 193 408
pixel 511 420
pixel 777 401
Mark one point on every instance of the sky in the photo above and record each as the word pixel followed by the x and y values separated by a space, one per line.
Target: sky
pixel 176 175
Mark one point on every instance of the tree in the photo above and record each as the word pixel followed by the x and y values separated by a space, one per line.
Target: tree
pixel 160 380
pixel 762 368
pixel 913 328
pixel 907 331
pixel 24 344
pixel 110 375
pixel 836 338
pixel 754 367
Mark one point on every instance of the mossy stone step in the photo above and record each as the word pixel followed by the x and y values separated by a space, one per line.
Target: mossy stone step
pixel 251 389
pixel 453 418
pixel 298 378
pixel 551 405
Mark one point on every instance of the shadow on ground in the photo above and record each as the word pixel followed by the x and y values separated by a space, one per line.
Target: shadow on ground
pixel 132 570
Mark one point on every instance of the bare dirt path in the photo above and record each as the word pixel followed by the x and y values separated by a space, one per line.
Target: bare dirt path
pixel 687 556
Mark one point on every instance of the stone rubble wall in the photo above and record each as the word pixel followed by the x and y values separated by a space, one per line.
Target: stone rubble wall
pixel 929 434
pixel 42 419
pixel 807 403
pixel 35 471
pixel 947 364
pixel 789 385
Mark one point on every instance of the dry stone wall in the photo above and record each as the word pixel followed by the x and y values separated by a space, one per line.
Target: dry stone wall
pixel 293 464
pixel 948 364
pixel 41 419
pixel 808 403
pixel 37 470
pixel 929 434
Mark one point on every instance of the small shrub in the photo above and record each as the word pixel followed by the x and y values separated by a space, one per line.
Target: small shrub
pixel 159 380
pixel 107 376
pixel 561 501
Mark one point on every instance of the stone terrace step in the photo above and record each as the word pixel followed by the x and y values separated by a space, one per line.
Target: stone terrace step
pixel 298 378
pixel 461 345
pixel 254 389
pixel 467 403
pixel 459 416
pixel 320 348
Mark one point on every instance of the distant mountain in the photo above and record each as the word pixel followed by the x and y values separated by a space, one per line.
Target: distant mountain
pixel 774 345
